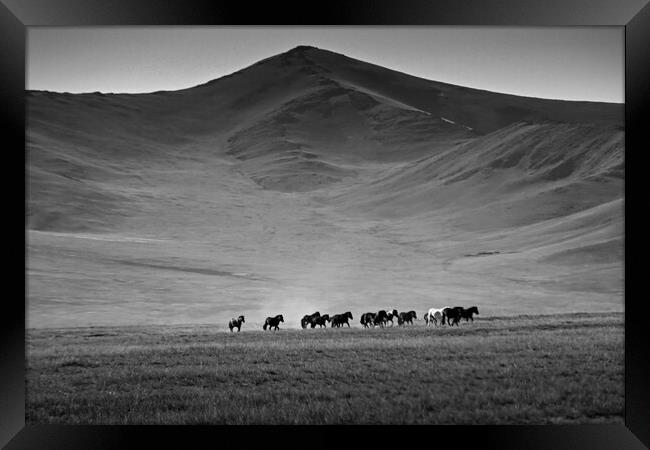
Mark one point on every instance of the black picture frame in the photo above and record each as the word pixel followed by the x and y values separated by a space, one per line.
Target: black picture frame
pixel 633 15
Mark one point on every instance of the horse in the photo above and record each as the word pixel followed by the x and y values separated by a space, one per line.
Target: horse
pixel 468 313
pixel 367 319
pixel 435 315
pixel 452 315
pixel 338 320
pixel 390 316
pixel 320 321
pixel 406 317
pixel 273 322
pixel 381 318
pixel 236 323
pixel 307 319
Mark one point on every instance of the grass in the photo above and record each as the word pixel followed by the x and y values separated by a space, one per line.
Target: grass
pixel 514 370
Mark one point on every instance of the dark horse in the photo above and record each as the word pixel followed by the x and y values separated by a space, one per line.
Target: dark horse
pixel 338 320
pixel 468 313
pixel 392 315
pixel 321 321
pixel 306 320
pixel 380 318
pixel 406 317
pixel 452 315
pixel 236 323
pixel 367 319
pixel 273 322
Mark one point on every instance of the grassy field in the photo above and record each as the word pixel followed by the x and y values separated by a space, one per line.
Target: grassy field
pixel 515 370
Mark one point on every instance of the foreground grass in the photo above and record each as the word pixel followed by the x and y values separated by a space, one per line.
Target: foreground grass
pixel 517 370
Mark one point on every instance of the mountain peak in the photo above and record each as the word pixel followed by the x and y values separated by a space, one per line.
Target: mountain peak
pixel 302 48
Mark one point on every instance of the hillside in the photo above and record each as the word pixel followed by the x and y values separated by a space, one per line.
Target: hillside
pixel 313 181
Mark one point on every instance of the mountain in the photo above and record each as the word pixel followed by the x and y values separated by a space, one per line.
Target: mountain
pixel 311 180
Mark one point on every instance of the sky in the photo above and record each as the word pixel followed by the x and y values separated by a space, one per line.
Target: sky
pixel 569 63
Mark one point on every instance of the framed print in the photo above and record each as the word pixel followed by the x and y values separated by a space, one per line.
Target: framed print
pixel 353 214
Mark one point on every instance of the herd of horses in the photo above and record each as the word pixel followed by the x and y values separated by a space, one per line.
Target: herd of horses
pixel 435 316
pixel 451 315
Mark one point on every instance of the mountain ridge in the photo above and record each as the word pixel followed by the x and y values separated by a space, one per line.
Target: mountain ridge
pixel 301 49
pixel 338 188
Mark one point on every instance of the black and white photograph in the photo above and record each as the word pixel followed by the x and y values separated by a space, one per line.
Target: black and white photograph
pixel 315 225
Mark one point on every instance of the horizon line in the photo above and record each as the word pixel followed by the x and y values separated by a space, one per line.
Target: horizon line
pixel 308 47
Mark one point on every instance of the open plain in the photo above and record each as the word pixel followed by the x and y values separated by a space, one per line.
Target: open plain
pixel 502 370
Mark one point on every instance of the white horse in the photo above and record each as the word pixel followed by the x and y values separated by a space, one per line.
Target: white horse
pixel 434 316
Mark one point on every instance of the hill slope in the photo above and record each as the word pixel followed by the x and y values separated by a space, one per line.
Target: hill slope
pixel 313 181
